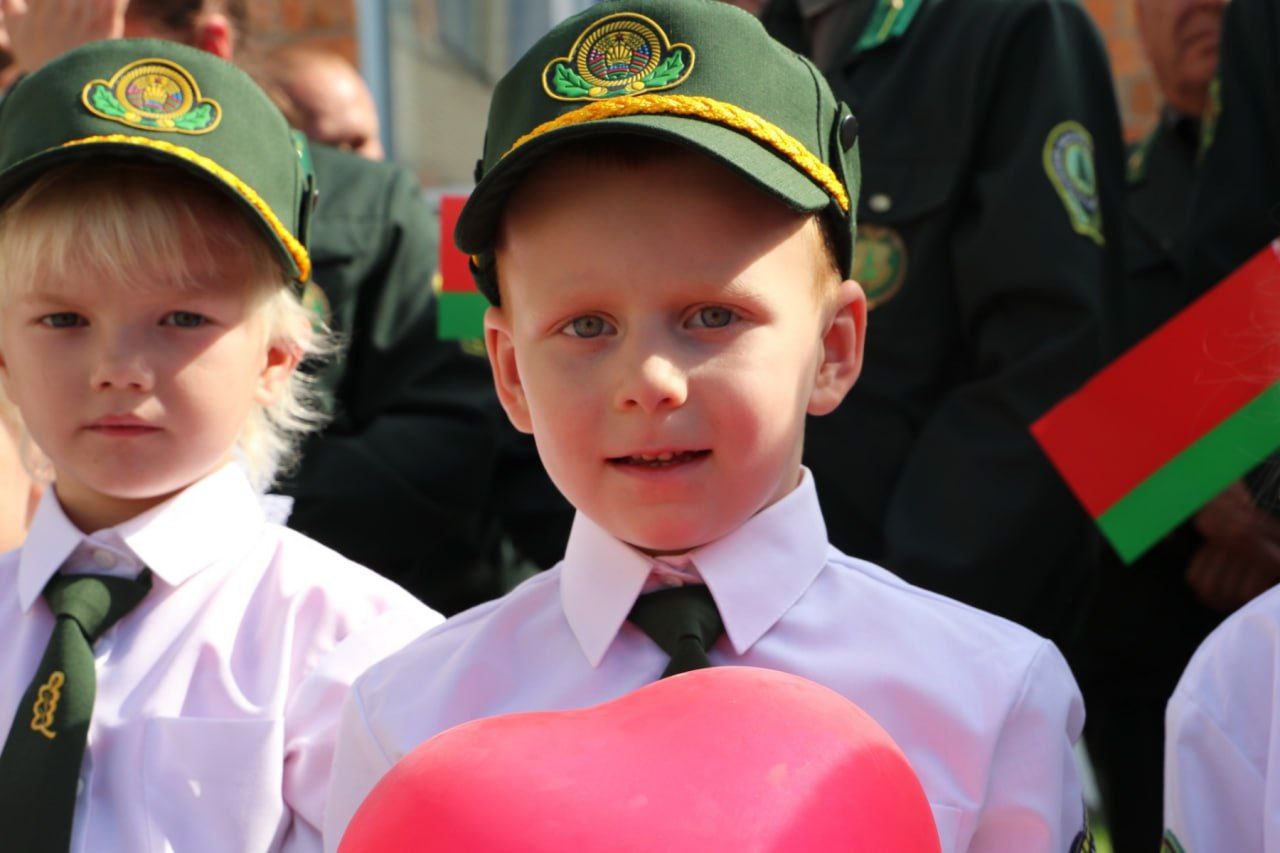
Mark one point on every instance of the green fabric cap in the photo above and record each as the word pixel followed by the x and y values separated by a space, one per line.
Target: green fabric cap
pixel 700 73
pixel 169 103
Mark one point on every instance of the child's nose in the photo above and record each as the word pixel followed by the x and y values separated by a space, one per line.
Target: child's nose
pixel 121 365
pixel 654 384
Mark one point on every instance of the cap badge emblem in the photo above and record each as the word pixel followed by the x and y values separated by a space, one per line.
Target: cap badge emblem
pixel 153 94
pixel 622 54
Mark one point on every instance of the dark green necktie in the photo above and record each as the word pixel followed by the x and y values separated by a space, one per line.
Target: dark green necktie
pixel 683 621
pixel 40 764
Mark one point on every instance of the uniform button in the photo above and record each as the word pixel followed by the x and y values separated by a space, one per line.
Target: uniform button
pixel 104 558
pixel 80 786
pixel 848 132
pixel 880 203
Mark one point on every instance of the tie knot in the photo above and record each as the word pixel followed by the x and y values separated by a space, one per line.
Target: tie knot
pixel 683 621
pixel 95 602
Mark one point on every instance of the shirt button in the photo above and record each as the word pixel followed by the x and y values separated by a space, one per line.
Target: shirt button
pixel 104 558
pixel 80 786
pixel 880 203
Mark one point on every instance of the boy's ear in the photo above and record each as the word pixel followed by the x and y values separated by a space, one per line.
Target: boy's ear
pixel 506 375
pixel 842 344
pixel 283 358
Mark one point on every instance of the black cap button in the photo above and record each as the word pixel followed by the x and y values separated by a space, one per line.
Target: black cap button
pixel 848 131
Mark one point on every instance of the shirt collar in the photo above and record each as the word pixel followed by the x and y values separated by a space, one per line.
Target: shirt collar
pixel 755 574
pixel 190 531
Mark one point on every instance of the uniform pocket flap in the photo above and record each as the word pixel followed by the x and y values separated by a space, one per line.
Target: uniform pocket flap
pixel 896 191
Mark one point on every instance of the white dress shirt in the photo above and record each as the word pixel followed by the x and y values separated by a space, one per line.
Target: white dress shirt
pixel 218 696
pixel 1222 737
pixel 986 711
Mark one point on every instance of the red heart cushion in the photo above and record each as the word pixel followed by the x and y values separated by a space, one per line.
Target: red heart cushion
pixel 728 758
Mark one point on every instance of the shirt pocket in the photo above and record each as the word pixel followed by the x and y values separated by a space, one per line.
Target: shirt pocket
pixel 213 784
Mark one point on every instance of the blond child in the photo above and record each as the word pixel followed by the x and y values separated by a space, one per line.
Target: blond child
pixel 664 223
pixel 173 664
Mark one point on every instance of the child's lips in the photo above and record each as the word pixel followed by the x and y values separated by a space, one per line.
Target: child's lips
pixel 658 460
pixel 122 426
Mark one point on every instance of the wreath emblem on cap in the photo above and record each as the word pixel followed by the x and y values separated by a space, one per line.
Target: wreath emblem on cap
pixel 622 54
pixel 153 94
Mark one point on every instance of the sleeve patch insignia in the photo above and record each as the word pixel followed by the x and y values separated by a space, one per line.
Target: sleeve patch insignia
pixel 879 263
pixel 1068 160
pixel 1170 843
pixel 622 54
pixel 153 94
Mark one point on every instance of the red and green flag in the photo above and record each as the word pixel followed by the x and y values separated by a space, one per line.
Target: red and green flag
pixel 1175 420
pixel 462 306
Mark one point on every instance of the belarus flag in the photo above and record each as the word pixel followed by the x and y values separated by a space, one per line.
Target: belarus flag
pixel 461 305
pixel 1175 420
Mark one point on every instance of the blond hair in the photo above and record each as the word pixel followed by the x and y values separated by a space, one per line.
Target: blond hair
pixel 119 221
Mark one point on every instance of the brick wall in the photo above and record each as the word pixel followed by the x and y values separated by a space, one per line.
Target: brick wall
pixel 1135 87
pixel 331 24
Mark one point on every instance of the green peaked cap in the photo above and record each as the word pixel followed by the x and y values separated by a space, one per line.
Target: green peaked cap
pixel 699 73
pixel 168 103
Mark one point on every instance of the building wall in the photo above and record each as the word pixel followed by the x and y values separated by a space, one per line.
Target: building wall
pixel 331 23
pixel 1135 87
pixel 323 23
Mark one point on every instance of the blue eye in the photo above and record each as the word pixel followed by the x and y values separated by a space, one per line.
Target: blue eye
pixel 712 317
pixel 184 320
pixel 588 326
pixel 63 320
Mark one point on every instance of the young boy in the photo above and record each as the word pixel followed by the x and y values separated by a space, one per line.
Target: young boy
pixel 172 664
pixel 664 223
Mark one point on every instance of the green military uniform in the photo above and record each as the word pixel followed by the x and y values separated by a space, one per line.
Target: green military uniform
pixel 988 226
pixel 405 478
pixel 1236 206
pixel 1145 621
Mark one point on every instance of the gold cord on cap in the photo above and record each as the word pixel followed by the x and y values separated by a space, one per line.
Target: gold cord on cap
pixel 706 109
pixel 295 248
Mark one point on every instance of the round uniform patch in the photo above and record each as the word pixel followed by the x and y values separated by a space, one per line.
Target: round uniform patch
pixel 1170 843
pixel 153 94
pixel 622 54
pixel 317 305
pixel 1068 160
pixel 879 263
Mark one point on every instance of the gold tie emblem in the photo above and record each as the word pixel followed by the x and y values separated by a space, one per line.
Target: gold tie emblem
pixel 46 703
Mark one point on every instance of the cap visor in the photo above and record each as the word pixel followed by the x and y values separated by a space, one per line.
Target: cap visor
pixel 24 173
pixel 757 164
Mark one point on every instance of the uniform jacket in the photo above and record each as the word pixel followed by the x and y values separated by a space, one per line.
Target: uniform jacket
pixel 988 280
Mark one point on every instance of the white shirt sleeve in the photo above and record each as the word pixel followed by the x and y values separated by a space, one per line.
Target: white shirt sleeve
pixel 1213 795
pixel 1035 803
pixel 314 711
pixel 358 764
pixel 1222 737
